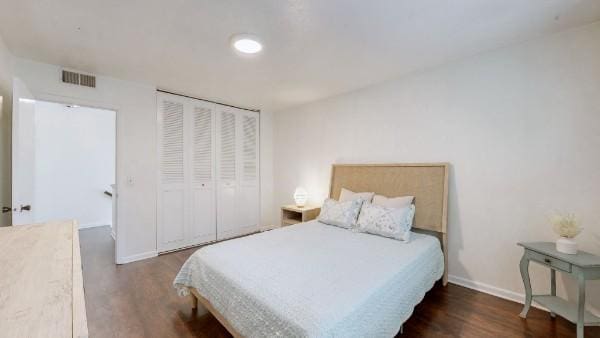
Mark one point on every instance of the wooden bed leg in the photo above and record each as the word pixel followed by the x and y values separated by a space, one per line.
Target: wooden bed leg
pixel 194 302
pixel 445 250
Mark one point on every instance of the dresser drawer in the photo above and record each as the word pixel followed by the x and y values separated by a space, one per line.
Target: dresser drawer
pixel 550 261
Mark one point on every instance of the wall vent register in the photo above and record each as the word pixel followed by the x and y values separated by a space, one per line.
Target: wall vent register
pixel 78 79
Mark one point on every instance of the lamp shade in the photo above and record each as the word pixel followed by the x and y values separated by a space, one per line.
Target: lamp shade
pixel 300 197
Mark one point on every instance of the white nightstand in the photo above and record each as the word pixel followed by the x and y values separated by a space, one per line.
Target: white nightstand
pixel 291 214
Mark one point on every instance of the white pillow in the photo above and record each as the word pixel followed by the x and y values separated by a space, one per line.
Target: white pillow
pixel 387 222
pixel 342 214
pixel 393 202
pixel 347 195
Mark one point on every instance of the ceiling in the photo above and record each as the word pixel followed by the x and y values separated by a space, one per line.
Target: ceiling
pixel 312 48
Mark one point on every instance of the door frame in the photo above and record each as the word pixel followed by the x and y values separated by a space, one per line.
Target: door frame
pixel 69 100
pixel 21 96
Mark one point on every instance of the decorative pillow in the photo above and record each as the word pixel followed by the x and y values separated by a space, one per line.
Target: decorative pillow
pixel 347 195
pixel 342 214
pixel 393 202
pixel 387 222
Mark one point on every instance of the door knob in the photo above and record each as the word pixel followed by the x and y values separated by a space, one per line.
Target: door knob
pixel 25 207
pixel 6 209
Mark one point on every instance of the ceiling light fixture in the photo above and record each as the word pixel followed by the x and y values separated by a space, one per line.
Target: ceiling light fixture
pixel 246 43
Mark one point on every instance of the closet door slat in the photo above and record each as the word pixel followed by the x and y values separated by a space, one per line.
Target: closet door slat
pixel 172 162
pixel 203 147
pixel 249 150
pixel 228 147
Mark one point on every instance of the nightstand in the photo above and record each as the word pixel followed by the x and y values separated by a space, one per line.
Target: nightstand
pixel 291 214
pixel 582 266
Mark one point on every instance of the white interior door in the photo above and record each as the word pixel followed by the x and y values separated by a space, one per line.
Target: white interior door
pixel 23 154
pixel 187 190
pixel 227 173
pixel 238 167
pixel 209 175
pixel 202 226
pixel 249 188
pixel 172 156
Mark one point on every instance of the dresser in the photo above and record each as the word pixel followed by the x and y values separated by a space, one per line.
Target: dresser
pixel 583 266
pixel 41 284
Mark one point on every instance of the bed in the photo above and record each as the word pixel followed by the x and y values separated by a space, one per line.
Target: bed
pixel 318 280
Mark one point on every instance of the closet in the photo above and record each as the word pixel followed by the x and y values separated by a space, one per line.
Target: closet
pixel 208 184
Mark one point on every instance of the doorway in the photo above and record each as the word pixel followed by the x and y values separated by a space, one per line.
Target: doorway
pixel 74 166
pixel 68 154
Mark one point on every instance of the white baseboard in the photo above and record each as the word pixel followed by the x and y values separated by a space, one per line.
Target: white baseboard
pixel 501 293
pixel 486 288
pixel 92 225
pixel 137 257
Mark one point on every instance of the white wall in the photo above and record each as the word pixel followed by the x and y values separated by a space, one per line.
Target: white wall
pixel 135 105
pixel 6 74
pixel 74 163
pixel 520 127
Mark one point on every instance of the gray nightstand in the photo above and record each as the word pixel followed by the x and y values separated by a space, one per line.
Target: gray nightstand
pixel 583 266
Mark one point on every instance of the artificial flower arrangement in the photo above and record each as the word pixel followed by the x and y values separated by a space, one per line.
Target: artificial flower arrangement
pixel 567 227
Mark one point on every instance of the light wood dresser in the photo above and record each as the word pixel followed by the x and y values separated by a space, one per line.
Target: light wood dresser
pixel 41 282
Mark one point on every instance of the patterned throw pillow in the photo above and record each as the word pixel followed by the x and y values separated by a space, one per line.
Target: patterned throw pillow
pixel 342 214
pixel 387 222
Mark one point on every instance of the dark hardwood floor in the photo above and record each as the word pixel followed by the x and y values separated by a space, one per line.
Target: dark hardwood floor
pixel 137 300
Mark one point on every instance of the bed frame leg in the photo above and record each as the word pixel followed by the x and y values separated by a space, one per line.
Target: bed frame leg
pixel 194 302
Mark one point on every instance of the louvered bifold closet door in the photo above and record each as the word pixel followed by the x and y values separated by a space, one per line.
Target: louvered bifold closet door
pixel 238 192
pixel 249 190
pixel 172 158
pixel 202 226
pixel 208 184
pixel 226 173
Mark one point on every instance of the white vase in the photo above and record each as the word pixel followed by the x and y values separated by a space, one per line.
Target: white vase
pixel 566 245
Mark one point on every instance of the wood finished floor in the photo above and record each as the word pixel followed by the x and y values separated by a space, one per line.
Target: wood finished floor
pixel 137 300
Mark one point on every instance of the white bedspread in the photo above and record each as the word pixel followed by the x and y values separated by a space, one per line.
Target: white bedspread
pixel 314 280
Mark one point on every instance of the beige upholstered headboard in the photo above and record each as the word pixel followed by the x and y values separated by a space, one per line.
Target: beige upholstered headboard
pixel 428 182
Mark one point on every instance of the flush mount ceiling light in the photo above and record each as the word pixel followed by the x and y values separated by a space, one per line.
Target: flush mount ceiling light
pixel 246 43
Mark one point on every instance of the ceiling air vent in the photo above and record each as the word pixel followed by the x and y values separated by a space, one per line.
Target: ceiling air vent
pixel 78 79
